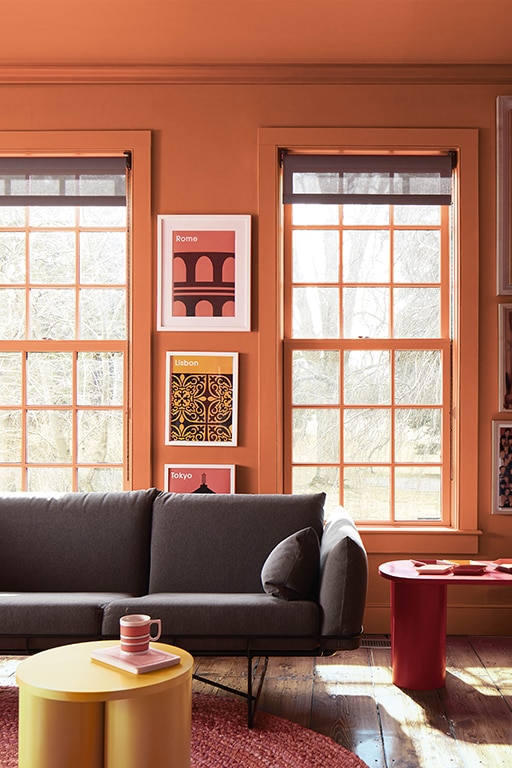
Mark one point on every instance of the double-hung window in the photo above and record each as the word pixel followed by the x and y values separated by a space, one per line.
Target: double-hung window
pixel 367 332
pixel 66 319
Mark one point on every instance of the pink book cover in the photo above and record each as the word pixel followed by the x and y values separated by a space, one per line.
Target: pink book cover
pixel 135 663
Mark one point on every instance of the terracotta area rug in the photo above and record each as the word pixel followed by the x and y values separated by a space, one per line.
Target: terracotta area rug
pixel 220 738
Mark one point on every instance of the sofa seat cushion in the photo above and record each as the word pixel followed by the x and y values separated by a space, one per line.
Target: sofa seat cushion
pixel 53 613
pixel 219 542
pixel 242 615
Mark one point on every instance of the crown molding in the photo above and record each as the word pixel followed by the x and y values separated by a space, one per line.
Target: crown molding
pixel 285 74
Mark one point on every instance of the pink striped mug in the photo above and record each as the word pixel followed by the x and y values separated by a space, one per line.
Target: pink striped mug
pixel 135 631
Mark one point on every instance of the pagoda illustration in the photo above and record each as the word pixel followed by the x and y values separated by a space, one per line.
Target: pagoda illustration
pixel 203 488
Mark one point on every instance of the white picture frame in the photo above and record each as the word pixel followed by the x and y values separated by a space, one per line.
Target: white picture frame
pixel 501 461
pixel 505 357
pixel 503 195
pixel 201 398
pixel 199 478
pixel 204 273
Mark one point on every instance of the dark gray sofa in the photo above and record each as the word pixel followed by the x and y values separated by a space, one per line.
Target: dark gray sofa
pixel 72 564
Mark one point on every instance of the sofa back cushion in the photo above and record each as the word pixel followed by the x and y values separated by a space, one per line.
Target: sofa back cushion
pixel 75 542
pixel 219 542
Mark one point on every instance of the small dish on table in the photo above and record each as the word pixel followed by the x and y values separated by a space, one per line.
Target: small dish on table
pixel 432 566
pixel 469 569
pixel 503 564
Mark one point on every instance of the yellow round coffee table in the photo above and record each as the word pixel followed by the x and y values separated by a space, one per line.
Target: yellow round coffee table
pixel 77 712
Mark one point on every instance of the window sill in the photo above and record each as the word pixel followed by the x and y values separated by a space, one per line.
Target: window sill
pixel 446 541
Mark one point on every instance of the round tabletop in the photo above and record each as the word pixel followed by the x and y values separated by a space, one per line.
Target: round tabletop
pixel 405 570
pixel 68 673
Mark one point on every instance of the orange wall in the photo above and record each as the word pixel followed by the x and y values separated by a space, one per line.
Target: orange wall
pixel 205 161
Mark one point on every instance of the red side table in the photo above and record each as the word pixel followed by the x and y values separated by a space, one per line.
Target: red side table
pixel 418 621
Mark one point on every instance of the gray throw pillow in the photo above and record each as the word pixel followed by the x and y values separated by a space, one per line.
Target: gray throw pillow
pixel 291 569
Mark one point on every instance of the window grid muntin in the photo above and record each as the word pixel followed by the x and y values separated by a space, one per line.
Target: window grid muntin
pixel 442 344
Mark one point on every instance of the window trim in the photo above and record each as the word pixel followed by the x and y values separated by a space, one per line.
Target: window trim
pixel 39 143
pixel 463 534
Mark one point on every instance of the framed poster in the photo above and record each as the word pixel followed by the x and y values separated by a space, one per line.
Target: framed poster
pixel 504 197
pixel 502 467
pixel 201 405
pixel 505 359
pixel 199 478
pixel 204 273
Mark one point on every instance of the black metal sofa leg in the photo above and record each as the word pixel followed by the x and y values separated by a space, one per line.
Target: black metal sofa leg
pixel 252 699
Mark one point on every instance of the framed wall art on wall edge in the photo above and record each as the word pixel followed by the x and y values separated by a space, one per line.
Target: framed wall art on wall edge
pixel 505 356
pixel 201 398
pixel 199 478
pixel 204 273
pixel 502 467
pixel 504 195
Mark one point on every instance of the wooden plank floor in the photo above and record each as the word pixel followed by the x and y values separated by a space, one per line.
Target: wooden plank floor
pixel 350 697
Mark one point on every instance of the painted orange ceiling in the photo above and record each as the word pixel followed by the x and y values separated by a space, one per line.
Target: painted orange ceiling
pixel 167 32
